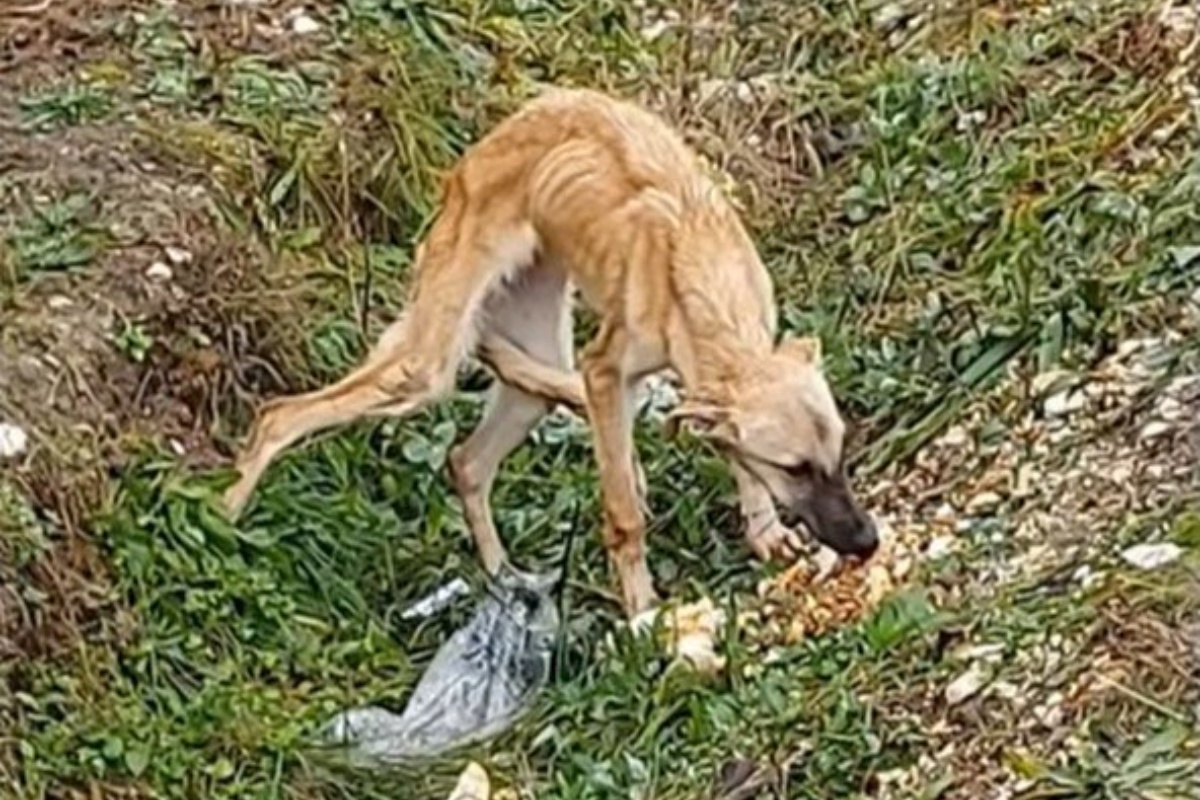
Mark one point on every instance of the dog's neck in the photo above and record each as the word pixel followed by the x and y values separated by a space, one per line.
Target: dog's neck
pixel 720 329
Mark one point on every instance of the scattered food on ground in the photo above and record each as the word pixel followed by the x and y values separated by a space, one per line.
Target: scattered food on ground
pixel 473 784
pixel 689 632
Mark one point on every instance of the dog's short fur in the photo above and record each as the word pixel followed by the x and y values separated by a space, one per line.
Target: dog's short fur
pixel 581 190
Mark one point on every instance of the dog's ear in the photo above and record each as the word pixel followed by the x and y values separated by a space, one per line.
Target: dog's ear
pixel 703 419
pixel 805 349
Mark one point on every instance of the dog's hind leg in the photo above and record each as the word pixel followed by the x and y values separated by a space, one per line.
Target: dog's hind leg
pixel 531 314
pixel 520 370
pixel 415 360
pixel 393 380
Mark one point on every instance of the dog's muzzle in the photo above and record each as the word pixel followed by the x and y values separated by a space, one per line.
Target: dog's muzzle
pixel 834 518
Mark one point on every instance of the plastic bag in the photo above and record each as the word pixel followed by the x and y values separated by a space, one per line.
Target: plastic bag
pixel 479 682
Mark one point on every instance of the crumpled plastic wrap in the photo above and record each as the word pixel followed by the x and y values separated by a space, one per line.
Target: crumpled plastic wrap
pixel 479 683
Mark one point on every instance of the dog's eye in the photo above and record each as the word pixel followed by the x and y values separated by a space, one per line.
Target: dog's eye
pixel 801 469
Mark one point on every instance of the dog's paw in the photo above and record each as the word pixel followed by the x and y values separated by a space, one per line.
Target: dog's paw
pixel 774 542
pixel 234 500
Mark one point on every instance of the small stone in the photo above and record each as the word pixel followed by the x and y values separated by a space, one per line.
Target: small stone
pixel 60 301
pixel 13 440
pixel 956 437
pixel 1152 556
pixel 1120 473
pixel 965 686
pixel 890 17
pixel 970 120
pixel 303 24
pixel 1170 409
pixel 655 30
pixel 177 255
pixel 1154 430
pixel 945 514
pixel 1064 404
pixel 159 271
pixel 940 547
pixel 1051 712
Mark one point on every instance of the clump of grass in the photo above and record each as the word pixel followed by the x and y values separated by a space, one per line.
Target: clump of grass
pixel 67 106
pixel 56 236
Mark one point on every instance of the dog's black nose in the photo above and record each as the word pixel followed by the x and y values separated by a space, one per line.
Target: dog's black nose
pixel 864 546
pixel 864 541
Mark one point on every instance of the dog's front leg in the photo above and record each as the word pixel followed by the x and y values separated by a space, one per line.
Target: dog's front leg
pixel 610 401
pixel 766 536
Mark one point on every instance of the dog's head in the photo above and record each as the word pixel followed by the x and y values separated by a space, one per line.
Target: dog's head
pixel 781 424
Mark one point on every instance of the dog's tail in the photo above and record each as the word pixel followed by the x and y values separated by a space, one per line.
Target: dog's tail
pixel 516 367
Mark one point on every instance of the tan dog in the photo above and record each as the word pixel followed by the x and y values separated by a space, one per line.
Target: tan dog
pixel 579 189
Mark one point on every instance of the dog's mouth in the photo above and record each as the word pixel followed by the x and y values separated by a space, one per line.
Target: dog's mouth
pixel 824 505
pixel 849 531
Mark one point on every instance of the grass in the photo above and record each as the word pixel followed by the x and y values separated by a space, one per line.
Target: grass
pixel 982 193
pixel 58 235
pixel 65 106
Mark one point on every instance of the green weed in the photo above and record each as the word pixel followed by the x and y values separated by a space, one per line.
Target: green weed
pixel 56 236
pixel 67 106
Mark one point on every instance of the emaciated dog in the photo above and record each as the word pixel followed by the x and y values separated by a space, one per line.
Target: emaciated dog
pixel 578 190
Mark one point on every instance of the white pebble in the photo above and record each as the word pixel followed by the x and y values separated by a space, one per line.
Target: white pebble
pixel 969 120
pixel 1154 430
pixel 940 547
pixel 159 271
pixel 956 437
pixel 1063 404
pixel 965 686
pixel 655 30
pixel 303 24
pixel 1152 556
pixel 177 255
pixel 13 440
pixel 1170 409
